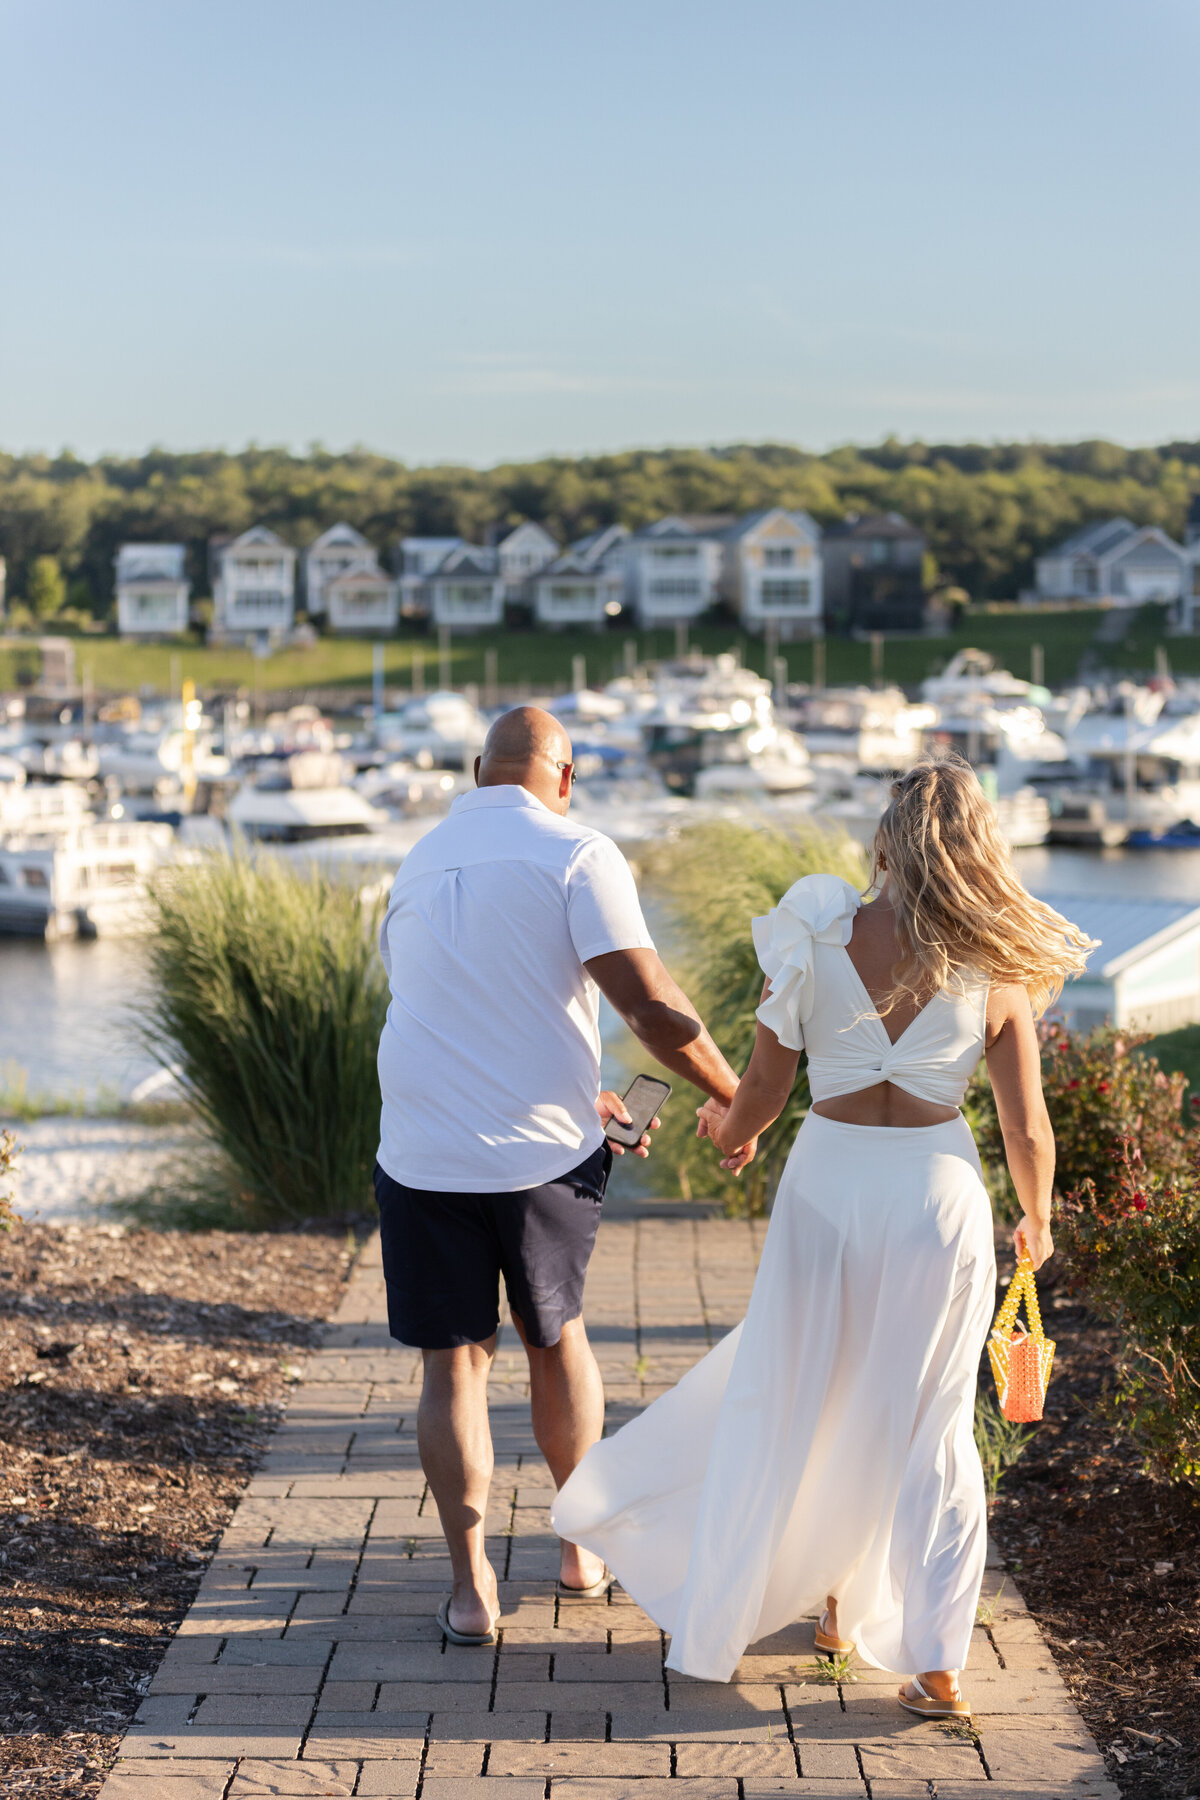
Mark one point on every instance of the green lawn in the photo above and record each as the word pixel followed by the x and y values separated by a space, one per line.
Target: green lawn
pixel 544 659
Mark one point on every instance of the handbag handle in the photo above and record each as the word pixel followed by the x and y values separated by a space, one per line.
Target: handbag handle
pixel 1021 1285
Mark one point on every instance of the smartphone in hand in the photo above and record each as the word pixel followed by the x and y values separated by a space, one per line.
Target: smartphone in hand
pixel 643 1100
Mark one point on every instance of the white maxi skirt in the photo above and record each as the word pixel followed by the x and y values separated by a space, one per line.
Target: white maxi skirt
pixel 826 1445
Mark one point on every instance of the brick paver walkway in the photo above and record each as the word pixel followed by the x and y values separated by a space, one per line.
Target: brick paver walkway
pixel 310 1663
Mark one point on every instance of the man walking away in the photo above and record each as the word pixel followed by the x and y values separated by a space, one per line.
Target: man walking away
pixel 505 924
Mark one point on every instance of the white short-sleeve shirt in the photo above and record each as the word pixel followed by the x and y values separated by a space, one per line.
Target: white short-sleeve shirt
pixel 489 1062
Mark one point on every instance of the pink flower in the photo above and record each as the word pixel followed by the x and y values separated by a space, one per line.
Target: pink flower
pixel 1139 1202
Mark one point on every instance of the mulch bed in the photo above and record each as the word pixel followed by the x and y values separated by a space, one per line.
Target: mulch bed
pixel 142 1372
pixel 1109 1563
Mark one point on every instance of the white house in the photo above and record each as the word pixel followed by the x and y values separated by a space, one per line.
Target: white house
pixel 336 550
pixel 254 586
pixel 586 584
pixel 522 552
pixel 771 571
pixel 675 567
pixel 1114 560
pixel 152 590
pixel 466 590
pixel 1146 971
pixel 416 560
pixel 1189 606
pixel 362 598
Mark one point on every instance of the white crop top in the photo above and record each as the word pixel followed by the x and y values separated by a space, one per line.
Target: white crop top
pixel 819 1003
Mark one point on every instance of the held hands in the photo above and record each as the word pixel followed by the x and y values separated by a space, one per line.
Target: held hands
pixel 734 1157
pixel 611 1106
pixel 1033 1241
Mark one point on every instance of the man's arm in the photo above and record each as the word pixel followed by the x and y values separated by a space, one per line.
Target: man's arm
pixel 662 1019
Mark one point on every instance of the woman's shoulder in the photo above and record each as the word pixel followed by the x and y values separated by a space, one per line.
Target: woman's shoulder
pixel 819 900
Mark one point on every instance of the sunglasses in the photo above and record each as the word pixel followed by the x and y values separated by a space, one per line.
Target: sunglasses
pixel 571 766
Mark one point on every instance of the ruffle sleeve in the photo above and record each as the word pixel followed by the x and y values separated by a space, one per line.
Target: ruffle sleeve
pixel 817 909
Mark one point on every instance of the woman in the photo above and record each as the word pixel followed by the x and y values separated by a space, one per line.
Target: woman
pixel 822 1456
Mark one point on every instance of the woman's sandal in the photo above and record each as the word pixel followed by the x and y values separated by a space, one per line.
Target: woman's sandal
pixel 831 1646
pixel 470 1640
pixel 596 1591
pixel 927 1707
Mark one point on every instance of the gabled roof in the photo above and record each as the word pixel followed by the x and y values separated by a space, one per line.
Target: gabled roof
pixel 364 574
pixel 498 537
pixel 150 562
pixel 750 522
pixel 341 533
pixel 688 525
pixel 1096 539
pixel 874 525
pixel 258 537
pixel 571 564
pixel 468 561
pixel 597 544
pixel 1127 929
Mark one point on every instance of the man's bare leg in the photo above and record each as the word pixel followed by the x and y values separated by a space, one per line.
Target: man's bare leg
pixel 455 1442
pixel 567 1401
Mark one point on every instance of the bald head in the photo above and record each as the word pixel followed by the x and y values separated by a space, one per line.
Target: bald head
pixel 528 748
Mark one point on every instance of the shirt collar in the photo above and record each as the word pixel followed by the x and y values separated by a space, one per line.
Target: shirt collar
pixel 508 794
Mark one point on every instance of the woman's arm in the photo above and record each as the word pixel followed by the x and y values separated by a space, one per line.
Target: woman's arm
pixel 761 1096
pixel 1015 1065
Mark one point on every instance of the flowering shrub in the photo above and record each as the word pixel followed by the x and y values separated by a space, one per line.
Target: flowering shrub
pixel 1132 1246
pixel 1100 1094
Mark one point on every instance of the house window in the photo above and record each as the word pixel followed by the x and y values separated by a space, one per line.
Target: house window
pixel 786 593
pixel 778 556
pixel 259 600
pixel 879 550
pixel 678 589
pixel 675 553
pixel 571 596
pixel 1084 578
pixel 467 600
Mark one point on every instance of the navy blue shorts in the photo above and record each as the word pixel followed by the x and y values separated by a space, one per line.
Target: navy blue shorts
pixel 444 1256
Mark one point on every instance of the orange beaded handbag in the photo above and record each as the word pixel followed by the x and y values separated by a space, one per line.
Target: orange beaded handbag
pixel 1021 1360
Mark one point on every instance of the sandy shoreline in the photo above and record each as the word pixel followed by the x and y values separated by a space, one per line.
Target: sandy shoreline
pixel 74 1168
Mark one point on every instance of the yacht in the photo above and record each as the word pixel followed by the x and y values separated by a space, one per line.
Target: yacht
pixel 712 729
pixel 79 881
pixel 441 730
pixel 873 730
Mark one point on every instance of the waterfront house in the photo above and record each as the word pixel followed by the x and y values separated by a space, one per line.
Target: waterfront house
pixel 522 552
pixel 1114 559
pixel 332 554
pixel 771 572
pixel 675 567
pixel 363 598
pixel 872 567
pixel 1146 971
pixel 466 590
pixel 254 586
pixel 416 560
pixel 1189 605
pixel 152 590
pixel 586 584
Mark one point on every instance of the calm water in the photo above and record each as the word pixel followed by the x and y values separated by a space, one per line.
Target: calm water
pixel 68 1011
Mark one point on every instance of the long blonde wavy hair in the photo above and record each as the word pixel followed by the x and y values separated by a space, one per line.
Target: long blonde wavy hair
pixel 960 907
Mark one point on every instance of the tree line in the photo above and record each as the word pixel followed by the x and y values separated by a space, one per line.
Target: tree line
pixel 987 509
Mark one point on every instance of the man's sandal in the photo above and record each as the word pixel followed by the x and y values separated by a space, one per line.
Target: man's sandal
pixel 831 1646
pixel 596 1591
pixel 470 1640
pixel 927 1707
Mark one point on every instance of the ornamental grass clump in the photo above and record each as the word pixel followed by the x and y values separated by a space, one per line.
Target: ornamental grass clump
pixel 1132 1247
pixel 709 882
pixel 267 999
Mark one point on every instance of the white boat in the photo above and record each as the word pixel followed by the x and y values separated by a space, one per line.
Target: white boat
pixel 711 714
pixel 81 882
pixel 873 730
pixel 441 730
pixel 44 808
pixel 1138 769
pixel 288 815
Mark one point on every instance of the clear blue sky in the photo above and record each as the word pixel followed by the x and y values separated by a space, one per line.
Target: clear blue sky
pixel 469 230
